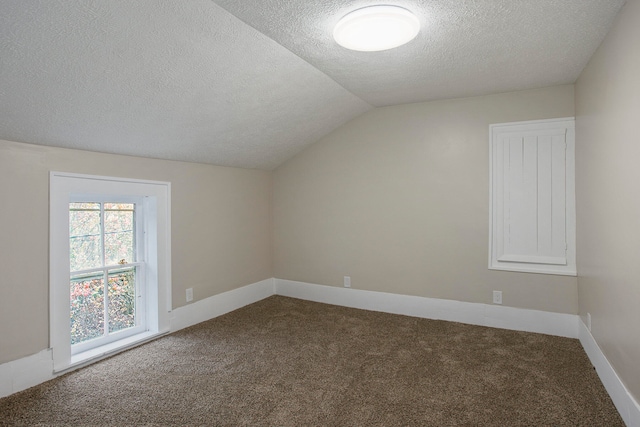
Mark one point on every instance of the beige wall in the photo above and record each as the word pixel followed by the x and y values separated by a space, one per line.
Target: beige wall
pixel 398 199
pixel 221 240
pixel 608 195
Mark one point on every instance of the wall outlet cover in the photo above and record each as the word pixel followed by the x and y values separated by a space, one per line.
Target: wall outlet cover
pixel 497 297
pixel 347 281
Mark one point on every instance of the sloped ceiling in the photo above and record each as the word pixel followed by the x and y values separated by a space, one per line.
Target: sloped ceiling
pixel 250 83
pixel 465 47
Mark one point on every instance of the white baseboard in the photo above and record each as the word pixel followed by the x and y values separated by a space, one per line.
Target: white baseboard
pixel 627 406
pixel 220 304
pixel 27 372
pixel 497 316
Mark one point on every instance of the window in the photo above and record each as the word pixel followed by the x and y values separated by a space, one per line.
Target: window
pixel 110 265
pixel 532 224
pixel 107 265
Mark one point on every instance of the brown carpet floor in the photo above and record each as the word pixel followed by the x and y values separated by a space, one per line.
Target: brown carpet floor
pixel 286 362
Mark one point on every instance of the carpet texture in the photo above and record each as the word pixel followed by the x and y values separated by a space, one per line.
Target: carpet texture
pixel 287 362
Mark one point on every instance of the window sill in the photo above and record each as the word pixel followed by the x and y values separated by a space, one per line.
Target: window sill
pixel 87 357
pixel 538 270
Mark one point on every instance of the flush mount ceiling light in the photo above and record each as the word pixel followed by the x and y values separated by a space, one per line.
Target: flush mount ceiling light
pixel 376 28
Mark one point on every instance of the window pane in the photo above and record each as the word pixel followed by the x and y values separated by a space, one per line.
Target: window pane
pixel 84 236
pixel 122 299
pixel 119 206
pixel 87 308
pixel 118 236
pixel 85 206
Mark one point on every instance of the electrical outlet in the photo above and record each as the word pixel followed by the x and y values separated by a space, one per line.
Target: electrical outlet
pixel 497 297
pixel 589 321
pixel 347 281
pixel 189 294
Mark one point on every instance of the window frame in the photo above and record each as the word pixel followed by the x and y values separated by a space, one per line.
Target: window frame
pixel 156 203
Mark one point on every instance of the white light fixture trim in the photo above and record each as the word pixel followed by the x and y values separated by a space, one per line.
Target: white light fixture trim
pixel 376 28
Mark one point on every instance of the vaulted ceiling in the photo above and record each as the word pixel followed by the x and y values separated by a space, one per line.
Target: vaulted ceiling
pixel 249 83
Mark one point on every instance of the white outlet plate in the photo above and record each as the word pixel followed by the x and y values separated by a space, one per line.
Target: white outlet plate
pixel 189 294
pixel 497 297
pixel 347 281
pixel 589 321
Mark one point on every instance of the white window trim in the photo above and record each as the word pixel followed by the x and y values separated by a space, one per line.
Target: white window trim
pixel 157 206
pixel 565 270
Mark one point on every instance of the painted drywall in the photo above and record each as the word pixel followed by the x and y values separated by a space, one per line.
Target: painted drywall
pixel 221 240
pixel 607 196
pixel 398 199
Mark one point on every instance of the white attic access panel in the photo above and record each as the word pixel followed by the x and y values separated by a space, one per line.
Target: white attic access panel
pixel 532 224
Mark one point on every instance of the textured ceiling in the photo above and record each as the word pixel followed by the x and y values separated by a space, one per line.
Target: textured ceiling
pixel 181 80
pixel 249 83
pixel 465 48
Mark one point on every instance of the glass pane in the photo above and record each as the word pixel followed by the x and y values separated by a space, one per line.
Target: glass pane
pixel 85 206
pixel 87 308
pixel 119 206
pixel 84 236
pixel 122 299
pixel 118 236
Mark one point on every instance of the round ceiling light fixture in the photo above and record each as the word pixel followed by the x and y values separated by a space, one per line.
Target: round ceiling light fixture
pixel 376 28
